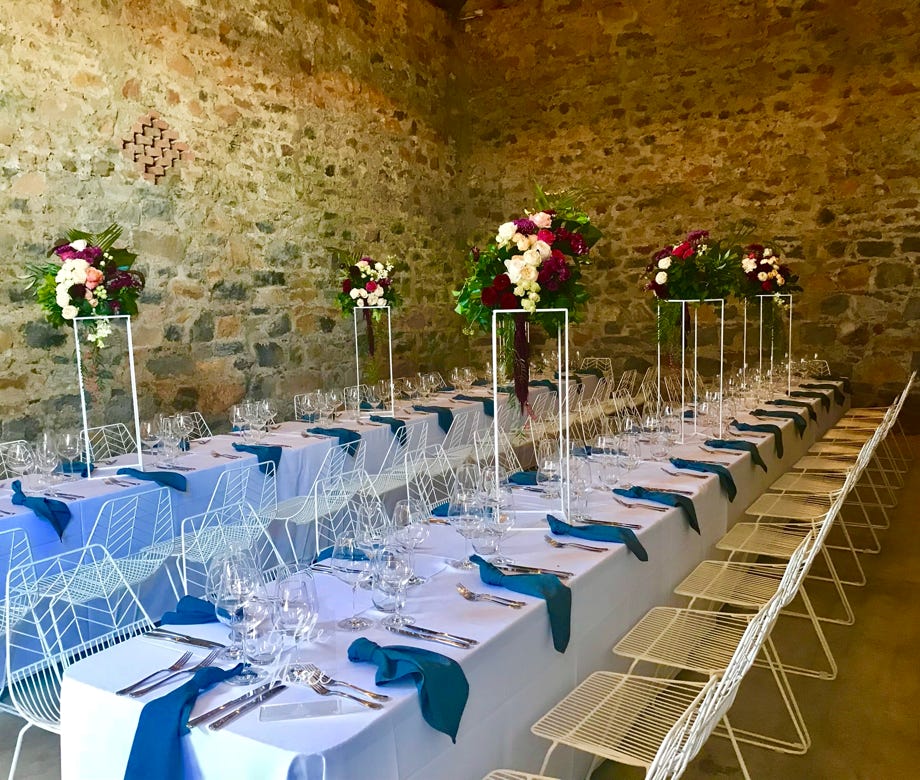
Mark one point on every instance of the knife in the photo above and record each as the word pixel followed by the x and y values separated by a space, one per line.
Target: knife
pixel 428 637
pixel 183 639
pixel 250 704
pixel 516 567
pixel 199 719
pixel 464 639
pixel 614 523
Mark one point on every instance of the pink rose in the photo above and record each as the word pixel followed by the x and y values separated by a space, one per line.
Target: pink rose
pixel 370 286
pixel 93 278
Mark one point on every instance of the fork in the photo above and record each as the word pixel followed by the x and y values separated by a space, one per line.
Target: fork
pixel 636 504
pixel 200 665
pixel 119 482
pixel 322 690
pixel 315 673
pixel 693 474
pixel 471 596
pixel 176 667
pixel 216 454
pixel 556 543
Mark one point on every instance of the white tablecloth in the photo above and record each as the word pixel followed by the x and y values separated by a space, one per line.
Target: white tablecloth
pixel 515 675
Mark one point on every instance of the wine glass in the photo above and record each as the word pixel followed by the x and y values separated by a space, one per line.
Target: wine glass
pixel 393 571
pixel 233 582
pixel 20 459
pixel 170 436
pixel 466 522
pixel 69 447
pixel 351 565
pixel 548 468
pixel 298 607
pixel 185 424
pixel 46 461
pixel 263 638
pixel 150 436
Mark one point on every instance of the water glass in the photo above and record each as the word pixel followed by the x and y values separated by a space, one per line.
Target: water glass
pixel 466 522
pixel 392 572
pixel 263 639
pixel 351 565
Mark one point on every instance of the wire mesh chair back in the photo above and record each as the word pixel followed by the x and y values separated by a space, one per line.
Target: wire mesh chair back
pixel 61 626
pixel 603 363
pixel 247 484
pixel 484 446
pixel 627 379
pixel 355 511
pixel 434 480
pixel 5 471
pixel 200 429
pixel 458 443
pixel 16 561
pixel 204 535
pixel 137 531
pixel 110 441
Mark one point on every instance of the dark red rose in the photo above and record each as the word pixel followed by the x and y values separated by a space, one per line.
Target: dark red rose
pixel 509 301
pixel 766 286
pixel 558 255
pixel 552 285
pixel 370 286
pixel 489 297
pixel 346 285
pixel 578 244
pixel 683 251
pixel 501 282
pixel 77 291
pixel 385 282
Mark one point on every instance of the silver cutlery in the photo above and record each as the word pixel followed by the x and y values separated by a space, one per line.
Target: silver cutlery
pixel 315 673
pixel 227 455
pixel 427 637
pixel 687 473
pixel 669 489
pixel 250 704
pixel 518 568
pixel 636 504
pixel 562 545
pixel 456 637
pixel 120 482
pixel 184 639
pixel 614 523
pixel 471 596
pixel 58 494
pixel 200 665
pixel 179 468
pixel 213 713
pixel 748 434
pixel 714 451
pixel 322 690
pixel 175 667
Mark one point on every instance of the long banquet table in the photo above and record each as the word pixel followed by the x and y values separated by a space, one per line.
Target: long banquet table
pixel 515 675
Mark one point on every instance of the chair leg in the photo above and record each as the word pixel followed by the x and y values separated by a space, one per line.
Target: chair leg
pixel 18 748
pixel 822 640
pixel 736 746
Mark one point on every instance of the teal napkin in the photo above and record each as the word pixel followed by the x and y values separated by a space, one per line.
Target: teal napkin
pixel 326 553
pixel 801 404
pixel 689 415
pixel 441 510
pixel 488 404
pixel 836 378
pixel 312 417
pixel 578 379
pixel 398 427
pixel 599 533
pixel 481 383
pixel 737 444
pixel 549 587
pixel 263 452
pixel 523 478
pixel 663 497
pixel 445 415
pixel 164 478
pixel 442 686
pixel 547 383
pixel 55 512
pixel 763 428
pixel 798 421
pixel 838 393
pixel 184 445
pixel 825 401
pixel 157 748
pixel 344 435
pixel 726 480
pixel 190 610
pixel 446 389
pixel 75 467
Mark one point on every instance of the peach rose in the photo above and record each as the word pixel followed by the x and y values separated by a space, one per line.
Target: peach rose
pixel 93 278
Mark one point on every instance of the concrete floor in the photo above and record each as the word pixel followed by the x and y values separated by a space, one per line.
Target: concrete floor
pixel 865 725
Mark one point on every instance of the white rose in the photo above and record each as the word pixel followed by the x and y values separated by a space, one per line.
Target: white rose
pixel 529 273
pixel 665 263
pixel 524 242
pixel 768 252
pixel 505 233
pixel 514 266
pixel 748 264
pixel 534 296
pixel 762 276
pixel 61 297
pixel 355 293
pixel 360 302
pixel 362 263
pixel 378 266
pixel 543 248
pixel 69 312
pixel 661 277
pixel 532 257
pixel 79 244
pixel 780 281
pixel 542 219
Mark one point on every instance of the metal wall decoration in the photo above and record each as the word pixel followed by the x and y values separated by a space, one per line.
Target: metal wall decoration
pixel 153 147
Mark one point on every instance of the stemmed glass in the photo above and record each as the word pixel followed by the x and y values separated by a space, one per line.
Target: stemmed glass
pixel 351 564
pixel 20 459
pixel 170 435
pixel 233 581
pixel 466 521
pixel 185 424
pixel 263 638
pixel 150 436
pixel 393 572
pixel 46 461
pixel 580 481
pixel 298 607
pixel 410 526
pixel 548 471
pixel 499 512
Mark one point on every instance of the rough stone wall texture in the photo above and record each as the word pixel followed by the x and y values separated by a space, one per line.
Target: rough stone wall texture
pixel 686 114
pixel 380 125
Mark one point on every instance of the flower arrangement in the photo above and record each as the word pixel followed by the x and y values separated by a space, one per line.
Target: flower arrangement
pixel 762 273
pixel 535 262
pixel 695 269
pixel 89 277
pixel 368 285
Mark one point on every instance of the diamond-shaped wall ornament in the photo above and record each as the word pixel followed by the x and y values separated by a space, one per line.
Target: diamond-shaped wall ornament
pixel 153 147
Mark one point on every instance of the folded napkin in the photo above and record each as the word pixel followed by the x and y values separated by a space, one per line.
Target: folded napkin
pixel 442 686
pixel 663 497
pixel 547 383
pixel 263 452
pixel 190 610
pixel 344 435
pixel 444 413
pixel 588 451
pixel 836 378
pixel 801 404
pixel 737 444
pixel 163 478
pixel 326 553
pixel 578 379
pixel 838 393
pixel 726 480
pixel 488 404
pixel 523 478
pixel 441 510
pixel 689 415
pixel 481 383
pixel 798 421
pixel 398 427
pixel 367 405
pixel 311 418
pixel 157 748
pixel 55 512
pixel 75 467
pixel 446 389
pixel 825 401
pixel 549 587
pixel 599 533
pixel 763 428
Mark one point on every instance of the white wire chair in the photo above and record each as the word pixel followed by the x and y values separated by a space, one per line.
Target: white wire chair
pixel 59 626
pixel 458 443
pixel 200 429
pixel 510 774
pixel 110 441
pixel 359 510
pixel 399 463
pixel 254 484
pixel 15 556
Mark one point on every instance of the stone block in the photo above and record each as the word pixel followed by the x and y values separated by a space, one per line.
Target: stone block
pixel 203 328
pixel 875 248
pixel 41 335
pixel 893 275
pixel 269 355
pixel 171 366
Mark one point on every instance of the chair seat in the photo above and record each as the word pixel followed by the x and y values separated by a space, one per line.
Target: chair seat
pixel 510 774
pixel 775 540
pixel 749 585
pixel 790 505
pixel 617 716
pixel 808 482
pixel 691 639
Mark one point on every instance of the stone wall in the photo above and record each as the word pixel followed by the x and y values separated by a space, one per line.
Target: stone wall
pixel 313 127
pixel 685 115
pixel 381 125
